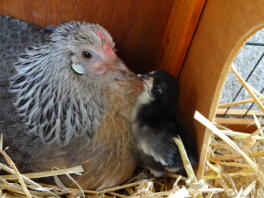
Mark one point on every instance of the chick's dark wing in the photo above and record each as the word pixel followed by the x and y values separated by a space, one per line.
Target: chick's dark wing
pixel 189 140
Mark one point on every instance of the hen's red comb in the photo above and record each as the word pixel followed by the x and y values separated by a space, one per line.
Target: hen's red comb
pixel 107 45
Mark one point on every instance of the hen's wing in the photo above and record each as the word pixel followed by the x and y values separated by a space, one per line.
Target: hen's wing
pixel 15 36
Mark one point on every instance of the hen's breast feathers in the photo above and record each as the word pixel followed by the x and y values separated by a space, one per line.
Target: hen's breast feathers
pixel 111 157
pixel 121 97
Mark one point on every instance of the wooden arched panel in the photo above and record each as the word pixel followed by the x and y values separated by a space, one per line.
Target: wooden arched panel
pixel 222 30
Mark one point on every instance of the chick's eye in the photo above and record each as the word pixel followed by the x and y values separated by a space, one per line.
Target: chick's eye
pixel 86 54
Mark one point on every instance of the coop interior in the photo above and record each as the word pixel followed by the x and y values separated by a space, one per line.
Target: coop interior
pixel 215 48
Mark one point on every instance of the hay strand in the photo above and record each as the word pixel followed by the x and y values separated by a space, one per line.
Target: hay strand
pixel 185 159
pixel 16 172
pixel 236 103
pixel 247 87
pixel 57 172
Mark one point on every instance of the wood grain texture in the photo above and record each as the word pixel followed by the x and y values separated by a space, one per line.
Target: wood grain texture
pixel 148 33
pixel 238 124
pixel 223 28
pixel 182 24
pixel 137 26
pixel 239 112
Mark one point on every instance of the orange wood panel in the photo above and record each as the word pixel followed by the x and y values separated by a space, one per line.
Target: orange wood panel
pixel 180 30
pixel 238 124
pixel 223 28
pixel 137 26
pixel 238 112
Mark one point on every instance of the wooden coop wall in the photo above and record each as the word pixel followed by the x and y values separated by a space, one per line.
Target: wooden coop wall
pixel 136 26
pixel 148 33
pixel 223 28
pixel 153 34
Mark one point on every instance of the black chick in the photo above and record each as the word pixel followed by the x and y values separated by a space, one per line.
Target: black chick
pixel 155 123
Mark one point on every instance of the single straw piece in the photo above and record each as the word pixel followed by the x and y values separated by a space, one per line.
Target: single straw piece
pixel 230 104
pixel 185 159
pixel 248 87
pixel 248 189
pixel 259 94
pixel 232 157
pixel 73 170
pixel 186 162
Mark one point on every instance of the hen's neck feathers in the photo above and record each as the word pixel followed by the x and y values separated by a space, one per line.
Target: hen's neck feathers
pixel 55 102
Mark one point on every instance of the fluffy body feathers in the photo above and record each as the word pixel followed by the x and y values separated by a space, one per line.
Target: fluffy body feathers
pixel 57 117
pixel 155 122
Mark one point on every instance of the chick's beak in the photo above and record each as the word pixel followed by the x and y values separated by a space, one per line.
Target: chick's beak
pixel 147 79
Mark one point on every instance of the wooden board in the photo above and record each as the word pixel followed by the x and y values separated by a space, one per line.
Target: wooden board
pixel 238 124
pixel 137 26
pixel 180 30
pixel 223 28
pixel 238 112
pixel 149 34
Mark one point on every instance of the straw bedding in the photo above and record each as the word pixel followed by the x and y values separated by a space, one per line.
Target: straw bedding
pixel 234 168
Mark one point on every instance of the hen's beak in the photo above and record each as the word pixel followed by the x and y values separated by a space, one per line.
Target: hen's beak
pixel 118 63
pixel 115 64
pixel 144 76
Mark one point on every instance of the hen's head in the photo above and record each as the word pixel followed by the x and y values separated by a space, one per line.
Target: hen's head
pixel 60 84
pixel 89 47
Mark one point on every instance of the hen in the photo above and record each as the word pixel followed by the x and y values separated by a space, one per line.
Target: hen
pixel 66 100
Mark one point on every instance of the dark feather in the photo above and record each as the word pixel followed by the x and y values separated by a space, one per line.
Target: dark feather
pixel 157 122
pixel 15 36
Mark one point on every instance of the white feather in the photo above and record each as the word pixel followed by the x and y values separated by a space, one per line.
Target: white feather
pixel 78 68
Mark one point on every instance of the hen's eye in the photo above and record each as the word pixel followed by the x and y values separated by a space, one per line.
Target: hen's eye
pixel 86 54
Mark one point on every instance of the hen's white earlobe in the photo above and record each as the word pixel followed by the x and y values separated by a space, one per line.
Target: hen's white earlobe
pixel 78 68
